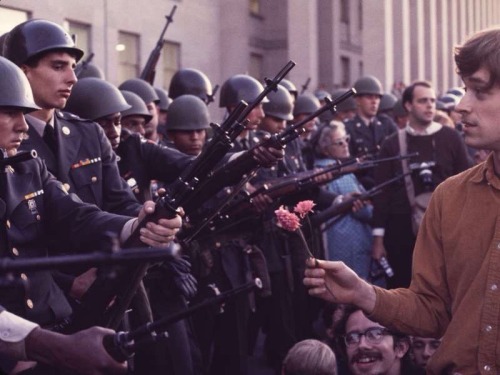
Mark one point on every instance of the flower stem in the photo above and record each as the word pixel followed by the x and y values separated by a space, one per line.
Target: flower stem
pixel 309 254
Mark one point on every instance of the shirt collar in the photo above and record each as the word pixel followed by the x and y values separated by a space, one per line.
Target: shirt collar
pixel 486 173
pixel 434 127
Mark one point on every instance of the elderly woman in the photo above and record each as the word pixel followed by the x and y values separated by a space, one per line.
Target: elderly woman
pixel 348 237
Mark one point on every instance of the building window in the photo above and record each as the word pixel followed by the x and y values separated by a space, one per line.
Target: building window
pixel 345 65
pixel 128 56
pixel 9 18
pixel 81 34
pixel 254 7
pixel 344 11
pixel 255 68
pixel 171 61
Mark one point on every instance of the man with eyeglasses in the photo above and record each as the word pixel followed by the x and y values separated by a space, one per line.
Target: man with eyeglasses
pixel 369 348
pixel 455 278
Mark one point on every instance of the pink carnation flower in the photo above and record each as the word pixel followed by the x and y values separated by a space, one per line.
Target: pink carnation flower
pixel 287 220
pixel 304 207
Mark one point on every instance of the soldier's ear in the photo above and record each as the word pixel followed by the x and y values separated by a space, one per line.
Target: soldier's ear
pixel 407 106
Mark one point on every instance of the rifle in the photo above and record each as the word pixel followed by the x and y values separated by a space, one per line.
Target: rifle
pixel 17 158
pixel 83 65
pixel 228 216
pixel 149 71
pixel 345 206
pixel 121 345
pixel 246 162
pixel 305 85
pixel 210 98
pixel 182 191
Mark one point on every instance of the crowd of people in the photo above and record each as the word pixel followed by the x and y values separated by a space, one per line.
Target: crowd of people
pixel 366 169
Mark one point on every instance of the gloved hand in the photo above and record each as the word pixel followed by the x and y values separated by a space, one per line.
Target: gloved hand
pixel 178 269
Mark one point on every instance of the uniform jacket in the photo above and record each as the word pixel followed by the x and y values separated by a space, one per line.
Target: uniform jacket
pixel 141 161
pixel 367 139
pixel 85 163
pixel 38 210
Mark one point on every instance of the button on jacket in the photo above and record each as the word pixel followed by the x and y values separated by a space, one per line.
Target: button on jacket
pixel 85 162
pixel 456 273
pixel 38 210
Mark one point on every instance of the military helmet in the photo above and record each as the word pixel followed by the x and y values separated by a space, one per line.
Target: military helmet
pixel 368 85
pixel 347 105
pixel 165 100
pixel 188 112
pixel 240 87
pixel 137 106
pixel 292 89
pixel 321 94
pixel 280 104
pixel 15 89
pixel 387 102
pixel 142 88
pixel 192 82
pixel 88 70
pixel 306 104
pixel 399 110
pixel 34 37
pixel 94 98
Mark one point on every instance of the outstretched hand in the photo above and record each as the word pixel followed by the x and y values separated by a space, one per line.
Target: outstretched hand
pixel 335 282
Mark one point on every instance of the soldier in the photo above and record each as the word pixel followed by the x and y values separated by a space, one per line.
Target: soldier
pixel 150 97
pixel 367 130
pixel 345 110
pixel 162 109
pixel 304 106
pixel 140 161
pixel 48 63
pixel 135 118
pixel 89 70
pixel 193 82
pixel 224 338
pixel 187 124
pixel 292 89
pixel 38 212
pixel 387 103
pixel 287 311
pixel 242 87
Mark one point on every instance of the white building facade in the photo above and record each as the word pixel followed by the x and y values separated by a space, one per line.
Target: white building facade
pixel 333 42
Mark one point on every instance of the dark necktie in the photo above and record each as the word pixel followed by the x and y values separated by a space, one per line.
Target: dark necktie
pixel 50 138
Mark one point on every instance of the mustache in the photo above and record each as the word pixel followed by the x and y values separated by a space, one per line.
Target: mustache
pixel 365 353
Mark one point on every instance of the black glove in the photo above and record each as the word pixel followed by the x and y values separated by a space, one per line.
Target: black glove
pixel 178 270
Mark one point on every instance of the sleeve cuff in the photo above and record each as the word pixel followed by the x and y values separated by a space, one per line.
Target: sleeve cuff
pixel 127 230
pixel 378 232
pixel 13 332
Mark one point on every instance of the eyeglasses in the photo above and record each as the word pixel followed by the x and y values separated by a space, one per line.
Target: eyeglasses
pixel 373 335
pixel 341 141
